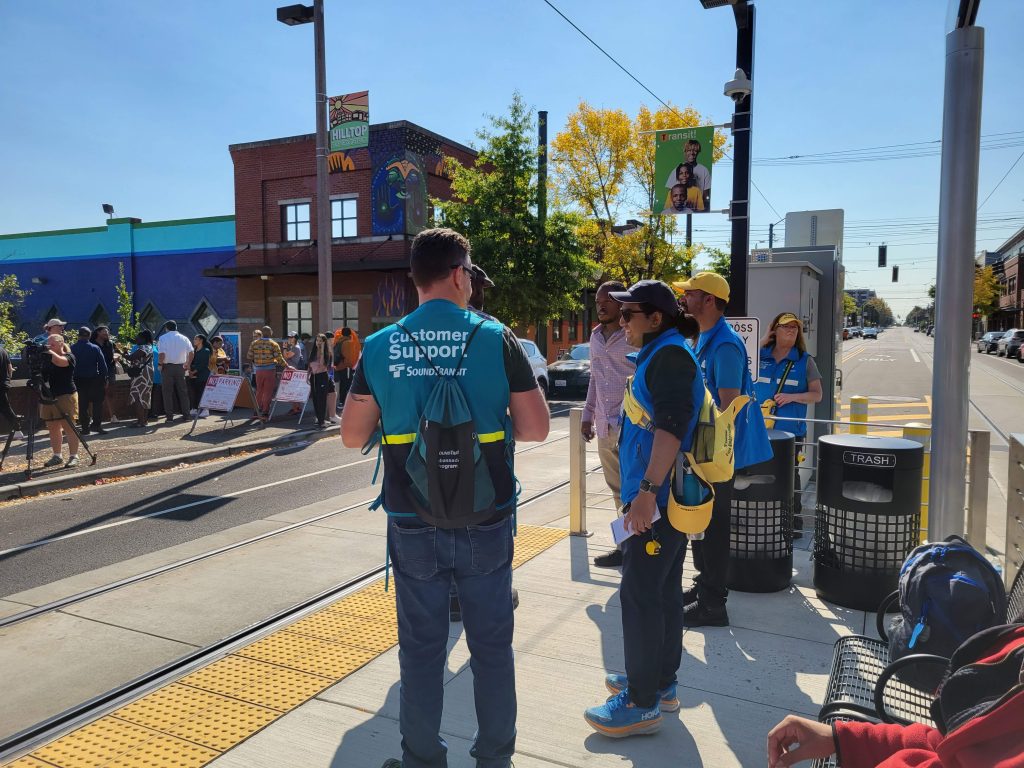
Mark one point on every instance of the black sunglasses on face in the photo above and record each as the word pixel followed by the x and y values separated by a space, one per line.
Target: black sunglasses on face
pixel 627 314
pixel 464 268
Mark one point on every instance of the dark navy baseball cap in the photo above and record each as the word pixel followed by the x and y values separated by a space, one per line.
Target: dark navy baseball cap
pixel 653 292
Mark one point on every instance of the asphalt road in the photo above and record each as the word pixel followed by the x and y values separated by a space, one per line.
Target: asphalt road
pixel 56 536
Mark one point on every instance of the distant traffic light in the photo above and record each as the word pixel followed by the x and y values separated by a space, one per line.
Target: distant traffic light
pixel 895 274
pixel 881 256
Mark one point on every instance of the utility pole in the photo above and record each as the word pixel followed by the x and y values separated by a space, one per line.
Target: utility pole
pixel 324 268
pixel 739 210
pixel 961 140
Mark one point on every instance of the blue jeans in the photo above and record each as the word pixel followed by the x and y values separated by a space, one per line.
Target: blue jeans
pixel 479 559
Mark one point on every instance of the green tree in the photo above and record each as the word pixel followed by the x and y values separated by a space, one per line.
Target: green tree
pixel 721 261
pixel 129 323
pixel 877 311
pixel 917 316
pixel 986 291
pixel 603 165
pixel 849 305
pixel 540 272
pixel 12 296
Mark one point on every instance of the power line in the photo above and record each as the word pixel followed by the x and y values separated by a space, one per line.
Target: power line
pixel 1001 181
pixel 637 81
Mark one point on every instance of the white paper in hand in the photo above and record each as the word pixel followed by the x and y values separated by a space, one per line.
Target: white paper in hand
pixel 619 531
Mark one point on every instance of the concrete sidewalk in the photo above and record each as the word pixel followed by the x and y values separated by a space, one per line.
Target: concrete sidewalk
pixel 735 682
pixel 127 450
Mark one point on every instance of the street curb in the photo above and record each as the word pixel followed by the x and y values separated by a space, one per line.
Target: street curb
pixel 89 477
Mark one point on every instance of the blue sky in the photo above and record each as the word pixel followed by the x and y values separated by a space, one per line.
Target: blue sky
pixel 136 103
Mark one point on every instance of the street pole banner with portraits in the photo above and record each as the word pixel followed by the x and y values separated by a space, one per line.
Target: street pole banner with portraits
pixel 682 170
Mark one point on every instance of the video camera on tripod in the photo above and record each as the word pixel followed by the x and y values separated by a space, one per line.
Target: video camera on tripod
pixel 35 355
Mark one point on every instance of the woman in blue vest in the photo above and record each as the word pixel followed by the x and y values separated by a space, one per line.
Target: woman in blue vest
pixel 668 386
pixel 788 376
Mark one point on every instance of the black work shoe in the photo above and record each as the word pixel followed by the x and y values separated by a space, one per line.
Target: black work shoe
pixel 515 598
pixel 697 615
pixel 454 611
pixel 690 595
pixel 611 560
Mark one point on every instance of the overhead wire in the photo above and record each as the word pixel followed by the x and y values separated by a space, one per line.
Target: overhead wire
pixel 637 81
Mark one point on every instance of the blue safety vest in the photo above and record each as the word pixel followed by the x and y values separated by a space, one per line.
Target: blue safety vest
pixel 768 377
pixel 401 380
pixel 635 442
pixel 752 444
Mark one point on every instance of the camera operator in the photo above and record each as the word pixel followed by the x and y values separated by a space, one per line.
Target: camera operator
pixel 6 374
pixel 58 374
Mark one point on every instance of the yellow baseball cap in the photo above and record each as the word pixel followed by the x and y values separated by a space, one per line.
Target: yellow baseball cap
pixel 709 282
pixel 789 317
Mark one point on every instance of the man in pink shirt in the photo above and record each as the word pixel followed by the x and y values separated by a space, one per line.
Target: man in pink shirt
pixel 602 414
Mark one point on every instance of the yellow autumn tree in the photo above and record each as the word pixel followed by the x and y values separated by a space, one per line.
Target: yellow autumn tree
pixel 986 291
pixel 603 166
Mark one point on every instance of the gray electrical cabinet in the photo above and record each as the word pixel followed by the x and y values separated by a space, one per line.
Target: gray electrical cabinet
pixel 807 281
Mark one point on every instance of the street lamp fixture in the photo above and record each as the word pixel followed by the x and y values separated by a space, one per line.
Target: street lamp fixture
pixel 716 3
pixel 109 210
pixel 293 15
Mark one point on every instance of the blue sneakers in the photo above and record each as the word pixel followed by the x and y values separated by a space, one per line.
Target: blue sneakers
pixel 667 699
pixel 619 717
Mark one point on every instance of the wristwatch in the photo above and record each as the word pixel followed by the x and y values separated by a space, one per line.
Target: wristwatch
pixel 646 486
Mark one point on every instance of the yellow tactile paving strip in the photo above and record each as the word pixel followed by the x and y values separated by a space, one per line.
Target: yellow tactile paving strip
pixel 195 720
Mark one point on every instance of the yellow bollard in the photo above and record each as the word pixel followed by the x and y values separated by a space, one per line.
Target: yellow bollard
pixel 922 433
pixel 858 413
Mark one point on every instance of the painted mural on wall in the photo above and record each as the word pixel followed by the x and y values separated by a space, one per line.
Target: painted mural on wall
pixel 399 193
pixel 389 300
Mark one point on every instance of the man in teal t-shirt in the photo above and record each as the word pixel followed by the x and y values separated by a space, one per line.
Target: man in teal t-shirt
pixel 393 380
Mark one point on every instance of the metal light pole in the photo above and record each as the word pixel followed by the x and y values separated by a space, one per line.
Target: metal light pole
pixel 739 207
pixel 958 202
pixel 293 15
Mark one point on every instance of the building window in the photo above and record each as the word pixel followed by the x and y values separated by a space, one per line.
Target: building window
pixel 205 319
pixel 152 318
pixel 345 314
pixel 1013 285
pixel 298 316
pixel 343 218
pixel 574 320
pixel 556 330
pixel 99 316
pixel 295 219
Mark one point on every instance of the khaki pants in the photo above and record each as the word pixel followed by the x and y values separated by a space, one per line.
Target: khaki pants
pixel 608 452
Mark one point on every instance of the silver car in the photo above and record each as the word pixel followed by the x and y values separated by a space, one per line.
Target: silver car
pixel 538 362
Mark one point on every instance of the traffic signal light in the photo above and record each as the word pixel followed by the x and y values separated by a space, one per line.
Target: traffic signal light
pixel 895 274
pixel 976 316
pixel 881 256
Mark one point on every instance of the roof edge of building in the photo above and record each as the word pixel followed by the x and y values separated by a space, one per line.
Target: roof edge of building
pixel 373 128
pixel 138 225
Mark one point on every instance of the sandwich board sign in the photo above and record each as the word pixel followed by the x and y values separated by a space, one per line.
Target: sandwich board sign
pixel 221 394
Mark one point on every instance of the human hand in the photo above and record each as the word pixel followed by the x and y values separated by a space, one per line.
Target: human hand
pixel 796 739
pixel 641 513
pixel 785 397
pixel 587 430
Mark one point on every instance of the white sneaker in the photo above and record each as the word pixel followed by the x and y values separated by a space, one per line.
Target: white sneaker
pixel 19 435
pixel 204 413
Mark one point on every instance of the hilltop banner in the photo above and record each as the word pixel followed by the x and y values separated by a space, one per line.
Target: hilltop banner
pixel 349 121
pixel 682 170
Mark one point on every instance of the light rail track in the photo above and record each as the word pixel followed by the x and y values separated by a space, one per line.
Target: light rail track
pixel 81 714
pixel 79 597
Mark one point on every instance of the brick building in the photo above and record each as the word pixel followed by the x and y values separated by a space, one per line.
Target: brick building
pixel 380 198
pixel 1011 292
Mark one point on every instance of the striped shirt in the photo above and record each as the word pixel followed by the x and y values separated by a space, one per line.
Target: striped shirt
pixel 609 370
pixel 266 353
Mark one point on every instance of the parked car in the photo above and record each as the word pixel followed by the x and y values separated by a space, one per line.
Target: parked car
pixel 855 331
pixel 570 376
pixel 870 333
pixel 538 362
pixel 987 343
pixel 1009 345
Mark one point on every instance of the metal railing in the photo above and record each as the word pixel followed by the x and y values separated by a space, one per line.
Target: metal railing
pixel 1014 510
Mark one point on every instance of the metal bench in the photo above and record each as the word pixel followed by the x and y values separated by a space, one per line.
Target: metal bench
pixel 864 683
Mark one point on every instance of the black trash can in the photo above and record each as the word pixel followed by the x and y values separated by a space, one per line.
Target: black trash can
pixel 761 530
pixel 867 518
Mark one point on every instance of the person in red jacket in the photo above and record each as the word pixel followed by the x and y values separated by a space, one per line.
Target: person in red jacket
pixel 993 740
